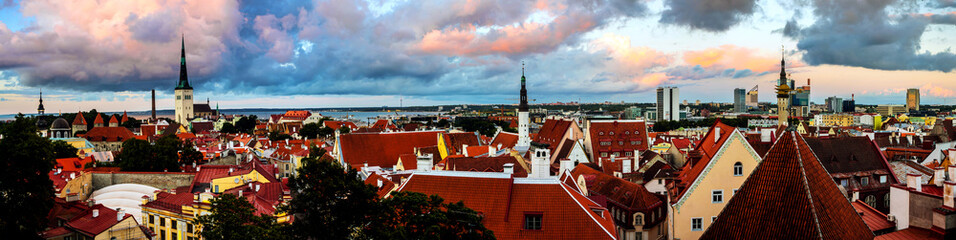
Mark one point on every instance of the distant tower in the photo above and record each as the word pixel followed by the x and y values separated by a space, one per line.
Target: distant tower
pixel 154 106
pixel 183 92
pixel 40 109
pixel 524 139
pixel 783 95
pixel 912 99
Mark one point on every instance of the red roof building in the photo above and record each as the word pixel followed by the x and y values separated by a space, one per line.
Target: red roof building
pixel 789 196
pixel 339 124
pixel 635 210
pixel 99 222
pixel 384 186
pixel 381 149
pixel 485 164
pixel 455 142
pixel 857 164
pixel 113 122
pixel 98 121
pixel 504 140
pixel 606 138
pixel 79 120
pixel 519 208
pixel 874 219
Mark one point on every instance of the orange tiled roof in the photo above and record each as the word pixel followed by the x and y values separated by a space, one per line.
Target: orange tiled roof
pixel 707 148
pixel 383 189
pixel 382 149
pixel 98 119
pixel 109 134
pixel 504 201
pixel 505 140
pixel 454 141
pixel 910 234
pixel 873 218
pixel 79 120
pixel 552 133
pixel 113 119
pixel 620 134
pixel 789 196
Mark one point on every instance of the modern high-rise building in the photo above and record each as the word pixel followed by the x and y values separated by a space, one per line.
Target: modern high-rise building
pixel 834 104
pixel 668 104
pixel 752 100
pixel 740 100
pixel 849 105
pixel 912 99
pixel 183 92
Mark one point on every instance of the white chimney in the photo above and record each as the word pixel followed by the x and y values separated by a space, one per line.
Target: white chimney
pixel 72 175
pixel 952 173
pixel 716 134
pixel 492 151
pixel 240 192
pixel 230 170
pixel 509 168
pixel 938 177
pixel 257 187
pixel 424 162
pixel 914 181
pixel 380 183
pixel 626 166
pixel 952 155
pixel 540 163
pixel 949 193
pixel 566 165
pixel 250 186
pixel 96 213
pixel 120 214
pixel 464 147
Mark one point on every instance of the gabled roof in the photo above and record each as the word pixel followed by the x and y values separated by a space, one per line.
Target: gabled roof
pixel 844 156
pixel 383 185
pixel 873 218
pixel 504 201
pixel 707 149
pixel 617 132
pixel 113 119
pixel 79 120
pixel 73 164
pixel 382 149
pixel 484 164
pixel 98 119
pixel 91 226
pixel 552 132
pixel 504 140
pixel 454 141
pixel 409 161
pixel 789 195
pixel 109 134
pixel 628 194
pixel 339 124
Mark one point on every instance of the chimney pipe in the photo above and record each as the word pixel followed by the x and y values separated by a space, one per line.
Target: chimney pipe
pixel 120 214
pixel 566 165
pixel 626 166
pixel 96 213
pixel 154 104
pixel 257 187
pixel 914 181
pixel 949 194
pixel 509 168
pixel 939 176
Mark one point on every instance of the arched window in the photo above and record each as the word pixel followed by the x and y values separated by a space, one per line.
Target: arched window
pixel 871 200
pixel 886 200
pixel 738 169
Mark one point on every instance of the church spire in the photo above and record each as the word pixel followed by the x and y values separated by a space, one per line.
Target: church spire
pixel 183 79
pixel 523 106
pixel 40 109
pixel 783 64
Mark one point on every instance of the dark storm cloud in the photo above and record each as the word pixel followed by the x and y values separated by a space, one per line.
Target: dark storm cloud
pixel 710 15
pixel 863 34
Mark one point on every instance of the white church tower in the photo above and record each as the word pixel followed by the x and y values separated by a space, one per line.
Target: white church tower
pixel 524 139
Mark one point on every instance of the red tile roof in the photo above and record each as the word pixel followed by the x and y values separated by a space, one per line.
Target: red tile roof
pixel 475 151
pixel 627 194
pixel 409 161
pixel 386 185
pixel 125 118
pixel 98 119
pixel 454 141
pixel 849 155
pixel 504 201
pixel 382 149
pixel 79 120
pixel 873 218
pixel 91 226
pixel 484 164
pixel 911 233
pixel 707 149
pixel 552 132
pixel 113 119
pixel 617 132
pixel 383 124
pixel 171 202
pixel 504 140
pixel 789 195
pixel 109 134
pixel 339 124
pixel 73 164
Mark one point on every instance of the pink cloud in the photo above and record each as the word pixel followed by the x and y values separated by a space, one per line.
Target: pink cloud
pixel 736 57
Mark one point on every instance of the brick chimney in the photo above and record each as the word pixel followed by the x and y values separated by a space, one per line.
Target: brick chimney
pixel 949 193
pixel 939 176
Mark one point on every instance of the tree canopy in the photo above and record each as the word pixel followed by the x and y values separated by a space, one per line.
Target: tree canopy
pixel 26 191
pixel 140 155
pixel 412 215
pixel 62 149
pixel 233 217
pixel 247 124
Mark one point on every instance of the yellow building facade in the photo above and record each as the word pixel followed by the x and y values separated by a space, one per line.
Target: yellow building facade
pixel 841 120
pixel 707 195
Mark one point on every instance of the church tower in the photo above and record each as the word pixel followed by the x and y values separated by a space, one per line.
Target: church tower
pixel 183 92
pixel 40 109
pixel 783 95
pixel 524 139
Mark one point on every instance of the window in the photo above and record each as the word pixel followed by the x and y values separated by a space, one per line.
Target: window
pixel 865 181
pixel 660 181
pixel 217 189
pixel 717 196
pixel 735 191
pixel 603 154
pixel 713 219
pixel 152 219
pixel 883 179
pixel 635 142
pixel 697 224
pixel 886 200
pixel 628 154
pixel 172 235
pixel 162 234
pixel 173 223
pixel 600 133
pixel 738 169
pixel 532 221
pixel 638 220
pixel 871 200
pixel 620 142
pixel 178 97
pixel 189 228
pixel 843 182
pixel 611 133
pixel 162 222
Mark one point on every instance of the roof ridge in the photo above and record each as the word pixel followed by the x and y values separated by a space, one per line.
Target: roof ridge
pixel 806 186
pixel 587 211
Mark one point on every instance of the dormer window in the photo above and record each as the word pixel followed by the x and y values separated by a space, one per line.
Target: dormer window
pixel 611 133
pixel 638 219
pixel 600 133
pixel 882 178
pixel 865 181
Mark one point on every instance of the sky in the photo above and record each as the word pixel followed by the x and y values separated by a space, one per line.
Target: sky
pixel 108 54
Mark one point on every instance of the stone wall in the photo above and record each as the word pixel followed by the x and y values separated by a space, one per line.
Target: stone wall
pixel 157 180
pixel 921 209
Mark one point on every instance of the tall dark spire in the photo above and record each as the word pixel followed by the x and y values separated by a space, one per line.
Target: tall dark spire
pixel 183 79
pixel 783 68
pixel 40 109
pixel 523 106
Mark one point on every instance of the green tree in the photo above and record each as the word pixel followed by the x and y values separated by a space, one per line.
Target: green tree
pixel 344 130
pixel 327 132
pixel 130 123
pixel 228 128
pixel 62 149
pixel 189 154
pixel 278 136
pixel 25 189
pixel 233 217
pixel 247 124
pixel 328 201
pixel 310 130
pixel 412 215
pixel 140 155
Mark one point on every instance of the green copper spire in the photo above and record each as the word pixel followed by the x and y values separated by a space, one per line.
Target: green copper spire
pixel 523 105
pixel 183 79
